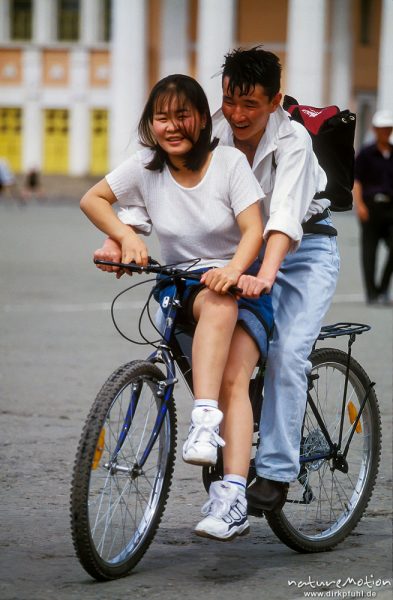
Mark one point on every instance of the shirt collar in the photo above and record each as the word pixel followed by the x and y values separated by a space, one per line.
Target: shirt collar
pixel 278 126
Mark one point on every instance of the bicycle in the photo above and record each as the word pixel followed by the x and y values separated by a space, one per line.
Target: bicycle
pixel 125 458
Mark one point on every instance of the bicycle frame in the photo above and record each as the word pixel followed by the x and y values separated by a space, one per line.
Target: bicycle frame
pixel 169 352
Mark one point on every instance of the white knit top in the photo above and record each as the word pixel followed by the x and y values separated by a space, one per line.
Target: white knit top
pixel 197 222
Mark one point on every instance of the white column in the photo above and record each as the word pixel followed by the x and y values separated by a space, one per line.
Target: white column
pixel 79 114
pixel 44 21
pixel 174 41
pixel 341 54
pixel 90 19
pixel 385 70
pixel 306 51
pixel 4 20
pixel 32 114
pixel 129 67
pixel 215 37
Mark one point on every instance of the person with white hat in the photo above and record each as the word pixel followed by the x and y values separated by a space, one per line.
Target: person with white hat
pixel 373 197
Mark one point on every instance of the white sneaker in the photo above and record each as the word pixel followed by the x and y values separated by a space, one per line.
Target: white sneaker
pixel 226 512
pixel 200 447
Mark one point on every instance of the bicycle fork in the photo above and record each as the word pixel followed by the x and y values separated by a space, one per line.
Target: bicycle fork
pixel 165 392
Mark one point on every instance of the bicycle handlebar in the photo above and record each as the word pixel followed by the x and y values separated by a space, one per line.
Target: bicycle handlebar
pixel 154 267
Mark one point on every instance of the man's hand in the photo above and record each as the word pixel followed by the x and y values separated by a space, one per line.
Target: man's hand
pixel 362 211
pixel 253 287
pixel 360 205
pixel 110 250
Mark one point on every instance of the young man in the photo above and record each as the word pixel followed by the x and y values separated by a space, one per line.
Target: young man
pixel 302 266
pixel 300 269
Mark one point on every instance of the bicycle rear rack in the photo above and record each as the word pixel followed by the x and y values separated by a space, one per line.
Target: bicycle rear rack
pixel 338 329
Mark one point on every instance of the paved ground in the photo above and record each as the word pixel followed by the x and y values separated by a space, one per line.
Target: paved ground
pixel 57 346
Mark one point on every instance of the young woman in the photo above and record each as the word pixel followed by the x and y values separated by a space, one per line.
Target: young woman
pixel 203 201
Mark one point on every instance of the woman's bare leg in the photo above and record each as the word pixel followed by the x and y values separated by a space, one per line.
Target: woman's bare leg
pixel 216 315
pixel 237 425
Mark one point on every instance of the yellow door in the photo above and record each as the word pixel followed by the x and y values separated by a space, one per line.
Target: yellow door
pixel 99 142
pixel 10 137
pixel 56 141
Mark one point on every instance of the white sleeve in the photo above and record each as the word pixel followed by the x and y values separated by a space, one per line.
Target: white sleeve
pixel 126 184
pixel 296 181
pixel 244 189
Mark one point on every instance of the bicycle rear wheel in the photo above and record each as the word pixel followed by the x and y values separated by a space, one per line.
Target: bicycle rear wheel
pixel 116 507
pixel 325 504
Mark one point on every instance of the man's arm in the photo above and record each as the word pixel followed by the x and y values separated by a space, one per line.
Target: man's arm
pixel 277 247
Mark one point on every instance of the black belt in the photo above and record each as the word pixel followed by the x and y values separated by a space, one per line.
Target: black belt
pixel 313 225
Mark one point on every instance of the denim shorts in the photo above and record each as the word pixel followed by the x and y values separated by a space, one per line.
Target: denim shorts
pixel 255 315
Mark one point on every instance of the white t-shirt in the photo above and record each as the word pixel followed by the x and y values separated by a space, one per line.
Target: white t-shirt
pixel 197 222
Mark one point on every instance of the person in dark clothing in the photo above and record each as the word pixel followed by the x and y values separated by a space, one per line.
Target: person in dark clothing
pixel 373 197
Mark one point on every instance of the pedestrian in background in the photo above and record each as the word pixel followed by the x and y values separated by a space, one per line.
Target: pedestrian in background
pixel 7 179
pixel 32 185
pixel 373 197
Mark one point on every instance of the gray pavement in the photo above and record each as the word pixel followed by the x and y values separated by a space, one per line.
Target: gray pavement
pixel 57 347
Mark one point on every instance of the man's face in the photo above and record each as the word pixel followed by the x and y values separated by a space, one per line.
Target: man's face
pixel 383 134
pixel 248 114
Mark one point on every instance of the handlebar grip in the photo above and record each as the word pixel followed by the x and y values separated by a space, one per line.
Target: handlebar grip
pixel 121 265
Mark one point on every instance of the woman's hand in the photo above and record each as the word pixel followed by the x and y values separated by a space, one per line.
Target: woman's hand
pixel 221 279
pixel 253 287
pixel 133 249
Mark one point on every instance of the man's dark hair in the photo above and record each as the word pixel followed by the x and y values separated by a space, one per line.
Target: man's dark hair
pixel 177 89
pixel 248 68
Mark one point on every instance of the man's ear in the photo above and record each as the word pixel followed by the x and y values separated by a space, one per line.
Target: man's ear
pixel 276 101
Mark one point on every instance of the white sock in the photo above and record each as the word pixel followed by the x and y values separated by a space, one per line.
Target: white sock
pixel 199 402
pixel 238 480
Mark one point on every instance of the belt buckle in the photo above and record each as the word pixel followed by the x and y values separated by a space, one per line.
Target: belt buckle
pixel 381 198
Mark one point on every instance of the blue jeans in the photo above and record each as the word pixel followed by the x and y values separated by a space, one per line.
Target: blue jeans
pixel 301 296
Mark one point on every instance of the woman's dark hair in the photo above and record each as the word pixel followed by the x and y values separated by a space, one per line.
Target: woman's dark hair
pixel 184 90
pixel 248 68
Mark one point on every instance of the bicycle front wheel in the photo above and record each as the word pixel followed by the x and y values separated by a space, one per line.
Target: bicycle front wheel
pixel 116 505
pixel 329 498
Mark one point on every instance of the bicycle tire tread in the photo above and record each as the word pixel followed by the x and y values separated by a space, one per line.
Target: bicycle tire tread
pixel 80 480
pixel 277 520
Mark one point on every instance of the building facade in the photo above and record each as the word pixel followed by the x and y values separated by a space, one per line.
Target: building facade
pixel 74 74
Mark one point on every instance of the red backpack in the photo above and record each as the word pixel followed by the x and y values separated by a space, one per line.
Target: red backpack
pixel 332 132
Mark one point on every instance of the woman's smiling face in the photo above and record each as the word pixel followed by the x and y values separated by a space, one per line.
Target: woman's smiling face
pixel 176 126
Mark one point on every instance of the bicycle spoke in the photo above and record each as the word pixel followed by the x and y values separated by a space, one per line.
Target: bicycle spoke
pixel 329 490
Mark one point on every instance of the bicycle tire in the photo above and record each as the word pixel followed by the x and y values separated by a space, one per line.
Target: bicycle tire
pixel 115 513
pixel 324 505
